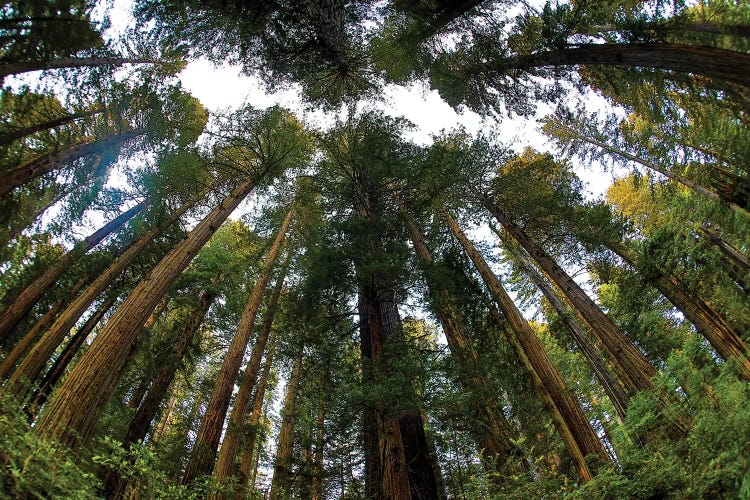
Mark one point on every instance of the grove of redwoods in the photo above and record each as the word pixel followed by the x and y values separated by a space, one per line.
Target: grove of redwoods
pixel 388 319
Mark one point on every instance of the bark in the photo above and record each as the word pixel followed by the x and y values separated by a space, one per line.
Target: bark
pixel 37 167
pixel 712 62
pixel 719 332
pixel 282 462
pixel 75 407
pixel 43 350
pixel 248 462
pixel 632 367
pixel 606 378
pixel 48 383
pixel 317 478
pixel 15 68
pixel 492 432
pixel 734 261
pixel 23 303
pixel 207 441
pixel 227 457
pixel 572 424
pixel 13 135
pixel 31 336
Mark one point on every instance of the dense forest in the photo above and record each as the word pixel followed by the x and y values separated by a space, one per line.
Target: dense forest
pixel 252 304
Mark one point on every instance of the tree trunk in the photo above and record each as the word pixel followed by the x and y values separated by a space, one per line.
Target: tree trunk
pixel 10 136
pixel 608 381
pixel 23 303
pixel 227 457
pixel 722 335
pixel 19 67
pixel 317 477
pixel 712 62
pixel 573 426
pixel 734 261
pixel 492 432
pixel 39 397
pixel 37 167
pixel 76 406
pixel 206 443
pixel 43 350
pixel 632 367
pixel 282 463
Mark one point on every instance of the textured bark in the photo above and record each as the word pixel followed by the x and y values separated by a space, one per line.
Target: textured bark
pixel 721 334
pixel 227 457
pixel 75 407
pixel 40 396
pixel 23 303
pixel 19 67
pixel 282 462
pixel 632 367
pixel 606 378
pixel 33 364
pixel 735 262
pixel 206 443
pixel 37 167
pixel 573 426
pixel 712 62
pixel 492 432
pixel 13 135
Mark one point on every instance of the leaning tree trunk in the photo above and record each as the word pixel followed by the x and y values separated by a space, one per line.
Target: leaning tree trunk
pixel 225 462
pixel 574 428
pixel 282 463
pixel 632 367
pixel 34 363
pixel 606 378
pixel 492 432
pixel 719 332
pixel 76 406
pixel 13 135
pixel 735 262
pixel 37 167
pixel 207 441
pixel 15 68
pixel 23 303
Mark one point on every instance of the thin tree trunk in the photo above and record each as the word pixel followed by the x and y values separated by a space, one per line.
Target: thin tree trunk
pixel 74 409
pixel 608 381
pixel 34 362
pixel 722 335
pixel 23 303
pixel 317 477
pixel 227 457
pixel 8 137
pixel 39 397
pixel 573 426
pixel 15 68
pixel 37 167
pixel 282 463
pixel 734 261
pixel 632 367
pixel 206 443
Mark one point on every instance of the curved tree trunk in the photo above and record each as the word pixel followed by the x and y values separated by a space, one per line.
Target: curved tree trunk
pixel 23 303
pixel 573 426
pixel 282 462
pixel 33 364
pixel 74 409
pixel 207 441
pixel 632 367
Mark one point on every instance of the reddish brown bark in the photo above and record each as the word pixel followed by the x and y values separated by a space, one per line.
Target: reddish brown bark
pixel 75 407
pixel 207 441
pixel 282 462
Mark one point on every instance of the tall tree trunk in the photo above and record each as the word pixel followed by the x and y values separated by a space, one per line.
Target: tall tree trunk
pixel 735 262
pixel 33 364
pixel 719 332
pixel 13 135
pixel 317 477
pixel 282 463
pixel 74 409
pixel 206 443
pixel 606 378
pixel 227 457
pixel 712 62
pixel 632 367
pixel 573 426
pixel 23 303
pixel 15 68
pixel 39 397
pixel 492 432
pixel 20 349
pixel 37 167
pixel 253 423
